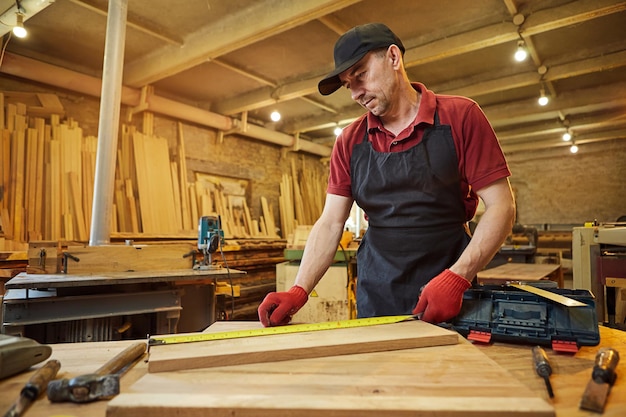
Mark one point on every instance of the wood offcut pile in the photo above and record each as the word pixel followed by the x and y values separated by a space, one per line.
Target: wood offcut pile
pixel 47 170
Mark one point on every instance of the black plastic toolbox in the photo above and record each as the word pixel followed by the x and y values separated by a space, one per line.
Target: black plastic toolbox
pixel 507 314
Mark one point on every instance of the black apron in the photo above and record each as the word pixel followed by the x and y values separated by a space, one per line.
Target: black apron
pixel 416 219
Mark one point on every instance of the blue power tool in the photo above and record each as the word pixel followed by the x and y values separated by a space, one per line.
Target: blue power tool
pixel 210 235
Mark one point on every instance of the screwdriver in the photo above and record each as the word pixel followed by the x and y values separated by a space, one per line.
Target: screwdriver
pixel 543 368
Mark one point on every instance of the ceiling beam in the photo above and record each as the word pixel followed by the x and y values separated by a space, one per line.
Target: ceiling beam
pixel 132 22
pixel 480 88
pixel 445 48
pixel 260 21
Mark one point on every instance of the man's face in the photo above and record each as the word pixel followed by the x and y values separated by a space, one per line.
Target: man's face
pixel 370 82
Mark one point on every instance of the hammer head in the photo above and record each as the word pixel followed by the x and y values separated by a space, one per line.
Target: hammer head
pixel 84 388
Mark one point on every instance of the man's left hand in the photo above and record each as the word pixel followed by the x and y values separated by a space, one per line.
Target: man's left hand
pixel 442 297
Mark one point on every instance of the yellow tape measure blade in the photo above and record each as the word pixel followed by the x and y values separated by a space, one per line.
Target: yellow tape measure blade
pixel 265 331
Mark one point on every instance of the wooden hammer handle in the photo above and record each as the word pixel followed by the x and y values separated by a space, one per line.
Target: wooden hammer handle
pixel 126 357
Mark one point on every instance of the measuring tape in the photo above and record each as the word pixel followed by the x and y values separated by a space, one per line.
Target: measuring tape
pixel 292 328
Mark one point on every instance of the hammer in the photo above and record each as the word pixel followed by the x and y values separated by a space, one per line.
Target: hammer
pixel 102 384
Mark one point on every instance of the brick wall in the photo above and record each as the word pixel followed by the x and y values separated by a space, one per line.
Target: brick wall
pixel 555 186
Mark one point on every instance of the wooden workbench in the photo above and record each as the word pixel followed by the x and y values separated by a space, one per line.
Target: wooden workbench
pixel 521 272
pixel 571 374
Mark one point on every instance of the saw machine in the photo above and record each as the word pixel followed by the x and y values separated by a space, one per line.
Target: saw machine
pixel 599 265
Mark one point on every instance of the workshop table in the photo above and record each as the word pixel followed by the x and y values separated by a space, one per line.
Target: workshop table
pixel 570 376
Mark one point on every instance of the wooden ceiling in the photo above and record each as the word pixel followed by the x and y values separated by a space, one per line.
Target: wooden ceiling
pixel 247 58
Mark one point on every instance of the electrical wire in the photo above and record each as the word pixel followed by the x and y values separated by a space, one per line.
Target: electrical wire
pixel 4 47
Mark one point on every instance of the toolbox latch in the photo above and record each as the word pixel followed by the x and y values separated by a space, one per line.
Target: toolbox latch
pixel 479 336
pixel 568 346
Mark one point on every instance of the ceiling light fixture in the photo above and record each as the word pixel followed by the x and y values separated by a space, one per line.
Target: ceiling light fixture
pixel 275 116
pixel 18 29
pixel 567 136
pixel 337 131
pixel 543 99
pixel 521 53
pixel 573 148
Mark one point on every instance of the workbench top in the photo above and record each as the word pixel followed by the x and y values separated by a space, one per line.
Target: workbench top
pixel 570 374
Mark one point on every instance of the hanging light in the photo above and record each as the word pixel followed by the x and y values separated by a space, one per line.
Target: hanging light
pixel 338 131
pixel 567 136
pixel 573 148
pixel 543 99
pixel 521 53
pixel 18 29
pixel 275 116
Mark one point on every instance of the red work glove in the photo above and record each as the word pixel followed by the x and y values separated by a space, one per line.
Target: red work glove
pixel 442 297
pixel 278 307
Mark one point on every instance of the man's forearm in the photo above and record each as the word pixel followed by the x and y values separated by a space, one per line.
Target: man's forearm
pixel 319 252
pixel 492 229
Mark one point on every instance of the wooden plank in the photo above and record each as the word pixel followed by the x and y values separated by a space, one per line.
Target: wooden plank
pixel 519 271
pixel 18 152
pixel 1 111
pixel 188 223
pixel 450 380
pixel 298 346
pixel 40 126
pixel 80 227
pixel 120 258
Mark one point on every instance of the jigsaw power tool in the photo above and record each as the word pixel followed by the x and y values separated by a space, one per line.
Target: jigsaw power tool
pixel 210 236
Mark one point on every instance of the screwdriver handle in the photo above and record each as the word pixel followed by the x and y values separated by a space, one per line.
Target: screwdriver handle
pixel 542 364
pixel 39 381
pixel 604 368
pixel 543 368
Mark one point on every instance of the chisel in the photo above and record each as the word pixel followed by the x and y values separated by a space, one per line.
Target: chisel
pixel 35 386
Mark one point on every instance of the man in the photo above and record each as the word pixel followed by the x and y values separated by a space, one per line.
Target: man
pixel 416 163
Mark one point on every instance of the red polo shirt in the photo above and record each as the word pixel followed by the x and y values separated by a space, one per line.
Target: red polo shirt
pixel 481 160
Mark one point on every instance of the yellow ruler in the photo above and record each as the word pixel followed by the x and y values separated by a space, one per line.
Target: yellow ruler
pixel 561 299
pixel 292 328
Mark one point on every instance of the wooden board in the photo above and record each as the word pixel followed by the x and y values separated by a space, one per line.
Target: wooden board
pixel 120 258
pixel 517 272
pixel 451 380
pixel 298 346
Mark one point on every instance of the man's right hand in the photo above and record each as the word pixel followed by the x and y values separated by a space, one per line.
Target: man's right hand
pixel 278 307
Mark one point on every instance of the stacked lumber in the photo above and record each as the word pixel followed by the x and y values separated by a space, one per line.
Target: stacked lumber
pixel 47 170
pixel 302 196
pixel 46 175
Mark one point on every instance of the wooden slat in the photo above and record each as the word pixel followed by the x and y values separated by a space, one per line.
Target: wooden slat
pixel 454 380
pixel 17 181
pixel 298 346
pixel 188 223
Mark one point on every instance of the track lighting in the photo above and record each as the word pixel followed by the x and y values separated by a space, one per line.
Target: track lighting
pixel 543 99
pixel 18 29
pixel 521 53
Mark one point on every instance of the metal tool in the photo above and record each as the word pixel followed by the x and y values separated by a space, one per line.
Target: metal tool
pixel 20 353
pixel 603 377
pixel 102 384
pixel 35 386
pixel 543 368
pixel 210 234
pixel 264 331
pixel 561 299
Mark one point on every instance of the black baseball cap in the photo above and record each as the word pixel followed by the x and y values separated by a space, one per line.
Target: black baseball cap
pixel 352 46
